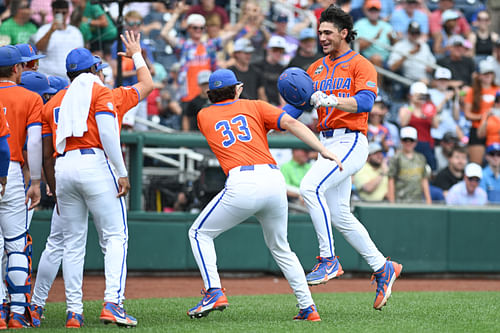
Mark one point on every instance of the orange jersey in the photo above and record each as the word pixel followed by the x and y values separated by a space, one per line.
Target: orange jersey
pixel 4 127
pixel 343 76
pixel 125 99
pixel 487 101
pixel 236 131
pixel 102 102
pixel 22 108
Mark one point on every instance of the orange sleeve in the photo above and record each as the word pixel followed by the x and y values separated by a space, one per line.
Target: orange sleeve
pixel 103 100
pixel 46 129
pixel 469 97
pixel 365 77
pixel 4 128
pixel 271 115
pixel 125 98
pixel 35 112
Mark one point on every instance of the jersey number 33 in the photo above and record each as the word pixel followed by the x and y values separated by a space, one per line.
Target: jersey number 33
pixel 229 135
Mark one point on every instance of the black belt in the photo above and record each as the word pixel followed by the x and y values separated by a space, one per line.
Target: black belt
pixel 251 167
pixel 329 133
pixel 83 151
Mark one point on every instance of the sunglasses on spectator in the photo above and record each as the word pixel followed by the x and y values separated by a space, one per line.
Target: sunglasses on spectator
pixel 407 140
pixel 32 63
pixel 134 23
pixel 196 27
pixel 474 179
pixel 495 153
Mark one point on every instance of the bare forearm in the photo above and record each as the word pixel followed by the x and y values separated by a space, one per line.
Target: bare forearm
pixel 42 44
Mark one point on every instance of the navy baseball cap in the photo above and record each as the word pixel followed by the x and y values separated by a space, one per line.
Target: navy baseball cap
pixel 37 82
pixel 29 51
pixel 58 82
pixel 222 78
pixel 80 59
pixel 10 55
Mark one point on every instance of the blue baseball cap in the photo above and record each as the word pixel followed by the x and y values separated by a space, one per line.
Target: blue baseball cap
pixel 10 55
pixel 79 59
pixel 307 33
pixel 29 51
pixel 222 78
pixel 37 82
pixel 493 147
pixel 58 82
pixel 100 64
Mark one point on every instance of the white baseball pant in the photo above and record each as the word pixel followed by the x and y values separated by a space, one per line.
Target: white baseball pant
pixel 91 186
pixel 14 226
pixel 250 190
pixel 327 193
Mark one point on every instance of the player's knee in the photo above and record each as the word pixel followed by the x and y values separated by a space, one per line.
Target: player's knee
pixel 307 189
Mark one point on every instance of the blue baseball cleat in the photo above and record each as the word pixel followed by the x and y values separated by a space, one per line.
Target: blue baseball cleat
pixel 385 278
pixel 114 314
pixel 213 299
pixel 310 313
pixel 325 270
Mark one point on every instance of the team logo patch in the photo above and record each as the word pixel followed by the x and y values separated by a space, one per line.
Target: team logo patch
pixel 218 83
pixel 318 70
pixel 371 84
pixel 110 106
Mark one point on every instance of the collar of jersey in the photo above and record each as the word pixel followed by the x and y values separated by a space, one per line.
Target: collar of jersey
pixel 226 102
pixel 10 84
pixel 343 55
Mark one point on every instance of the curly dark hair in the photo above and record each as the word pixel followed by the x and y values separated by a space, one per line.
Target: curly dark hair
pixel 73 75
pixel 340 19
pixel 221 94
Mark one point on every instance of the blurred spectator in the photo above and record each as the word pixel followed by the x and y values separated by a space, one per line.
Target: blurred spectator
pixel 270 69
pixel 207 8
pixel 446 98
pixel 18 28
pixel 411 56
pixel 41 11
pixel 280 23
pixel 478 102
pixel 460 65
pixel 496 60
pixel 170 106
pixel 408 175
pixel 483 38
pixel 97 28
pixel 377 132
pixel 491 173
pixel 293 171
pixel 194 55
pixel 371 182
pixel 57 39
pixel 435 21
pixel 420 114
pixel 382 105
pixel 375 35
pixel 454 172
pixel 443 151
pixel 190 113
pixel 252 18
pixel 410 11
pixel 307 53
pixel 489 127
pixel 386 10
pixel 245 71
pixel 440 38
pixel 468 192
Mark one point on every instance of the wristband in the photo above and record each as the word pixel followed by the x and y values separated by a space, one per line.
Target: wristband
pixel 138 60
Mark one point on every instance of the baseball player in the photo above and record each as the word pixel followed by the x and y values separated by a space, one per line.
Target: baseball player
pixel 22 109
pixel 125 98
pixel 346 86
pixel 236 131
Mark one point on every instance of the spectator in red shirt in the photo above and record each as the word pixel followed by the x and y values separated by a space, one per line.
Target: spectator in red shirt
pixel 436 24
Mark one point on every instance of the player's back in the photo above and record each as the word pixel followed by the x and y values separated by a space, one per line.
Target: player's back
pixel 236 131
pixel 23 108
pixel 343 76
pixel 101 101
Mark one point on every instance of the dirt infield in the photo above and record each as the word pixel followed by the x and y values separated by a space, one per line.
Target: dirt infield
pixel 159 287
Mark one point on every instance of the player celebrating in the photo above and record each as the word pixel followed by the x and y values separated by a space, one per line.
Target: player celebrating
pixel 346 86
pixel 125 98
pixel 22 109
pixel 236 131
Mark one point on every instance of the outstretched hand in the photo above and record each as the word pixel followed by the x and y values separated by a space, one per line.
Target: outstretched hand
pixel 332 157
pixel 132 44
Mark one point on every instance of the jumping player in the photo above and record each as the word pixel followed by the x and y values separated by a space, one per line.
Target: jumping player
pixel 125 98
pixel 22 109
pixel 92 187
pixel 236 131
pixel 346 86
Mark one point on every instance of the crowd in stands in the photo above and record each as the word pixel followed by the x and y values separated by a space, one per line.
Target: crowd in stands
pixel 434 130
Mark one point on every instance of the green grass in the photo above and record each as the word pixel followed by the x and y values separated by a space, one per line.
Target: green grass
pixel 343 312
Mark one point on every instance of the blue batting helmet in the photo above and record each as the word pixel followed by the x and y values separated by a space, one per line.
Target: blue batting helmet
pixel 296 87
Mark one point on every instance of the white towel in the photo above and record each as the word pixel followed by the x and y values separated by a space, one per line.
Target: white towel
pixel 74 109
